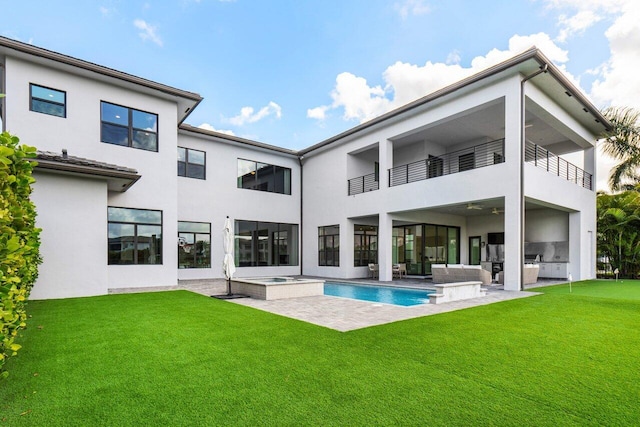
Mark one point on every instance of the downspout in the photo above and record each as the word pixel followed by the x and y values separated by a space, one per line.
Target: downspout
pixel 543 69
pixel 3 85
pixel 301 246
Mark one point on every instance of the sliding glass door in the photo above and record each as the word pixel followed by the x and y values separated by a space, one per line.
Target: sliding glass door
pixel 421 245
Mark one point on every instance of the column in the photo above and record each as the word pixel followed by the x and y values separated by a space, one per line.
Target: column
pixel 385 249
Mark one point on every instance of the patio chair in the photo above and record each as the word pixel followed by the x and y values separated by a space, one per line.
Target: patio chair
pixel 373 271
pixel 399 270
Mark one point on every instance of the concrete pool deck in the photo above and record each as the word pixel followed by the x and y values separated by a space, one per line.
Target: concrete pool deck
pixel 343 314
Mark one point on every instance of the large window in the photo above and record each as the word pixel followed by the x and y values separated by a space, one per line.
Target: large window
pixel 264 177
pixel 128 127
pixel 265 244
pixel 194 244
pixel 135 236
pixel 329 246
pixel 365 245
pixel 48 101
pixel 191 163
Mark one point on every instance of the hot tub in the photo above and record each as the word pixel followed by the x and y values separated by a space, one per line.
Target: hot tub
pixel 271 288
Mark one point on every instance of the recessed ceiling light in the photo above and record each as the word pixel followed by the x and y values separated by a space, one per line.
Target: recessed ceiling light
pixel 117 116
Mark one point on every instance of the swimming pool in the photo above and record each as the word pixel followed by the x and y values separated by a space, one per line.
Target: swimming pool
pixel 387 295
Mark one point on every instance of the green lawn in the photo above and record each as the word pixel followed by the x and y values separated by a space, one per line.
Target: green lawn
pixel 177 358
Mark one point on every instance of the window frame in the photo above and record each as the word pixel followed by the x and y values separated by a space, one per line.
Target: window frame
pixel 187 163
pixel 285 185
pixel 324 249
pixel 130 128
pixel 46 101
pixel 274 243
pixel 368 254
pixel 135 235
pixel 195 243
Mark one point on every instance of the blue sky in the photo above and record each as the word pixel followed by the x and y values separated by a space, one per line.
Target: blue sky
pixel 292 73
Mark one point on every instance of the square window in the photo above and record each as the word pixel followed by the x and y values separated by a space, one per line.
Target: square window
pixel 128 127
pixel 191 163
pixel 48 101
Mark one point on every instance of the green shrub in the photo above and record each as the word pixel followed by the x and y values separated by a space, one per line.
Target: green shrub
pixel 19 241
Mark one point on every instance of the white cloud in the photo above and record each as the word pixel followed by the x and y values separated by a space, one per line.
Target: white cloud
pixel 107 11
pixel 248 114
pixel 207 126
pixel 411 7
pixel 318 113
pixel 404 82
pixel 453 57
pixel 576 24
pixel 148 32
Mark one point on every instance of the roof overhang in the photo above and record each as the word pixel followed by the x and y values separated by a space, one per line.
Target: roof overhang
pixel 118 178
pixel 554 83
pixel 185 100
pixel 223 137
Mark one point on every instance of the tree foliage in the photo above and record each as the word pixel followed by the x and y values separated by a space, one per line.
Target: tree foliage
pixel 19 241
pixel 623 144
pixel 619 231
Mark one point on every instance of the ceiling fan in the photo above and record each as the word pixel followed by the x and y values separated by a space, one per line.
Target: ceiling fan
pixel 497 211
pixel 473 206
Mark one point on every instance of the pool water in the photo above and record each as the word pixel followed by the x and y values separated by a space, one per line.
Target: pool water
pixel 386 295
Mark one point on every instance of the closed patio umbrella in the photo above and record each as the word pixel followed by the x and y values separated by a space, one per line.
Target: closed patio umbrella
pixel 228 265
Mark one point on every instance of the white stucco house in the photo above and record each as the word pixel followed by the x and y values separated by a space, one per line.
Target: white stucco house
pixel 128 195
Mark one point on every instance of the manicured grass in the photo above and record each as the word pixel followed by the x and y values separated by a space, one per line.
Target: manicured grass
pixel 177 358
pixel 622 289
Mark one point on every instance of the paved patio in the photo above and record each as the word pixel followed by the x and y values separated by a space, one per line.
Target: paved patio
pixel 343 314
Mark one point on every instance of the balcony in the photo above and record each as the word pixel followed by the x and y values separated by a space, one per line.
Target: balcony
pixel 487 154
pixel 545 159
pixel 363 184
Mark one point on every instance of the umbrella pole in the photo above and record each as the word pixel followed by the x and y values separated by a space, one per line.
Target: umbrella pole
pixel 229 286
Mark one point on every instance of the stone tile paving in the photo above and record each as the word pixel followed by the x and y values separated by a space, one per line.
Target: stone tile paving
pixel 343 314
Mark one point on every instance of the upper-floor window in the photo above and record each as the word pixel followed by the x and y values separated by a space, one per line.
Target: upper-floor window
pixel 264 177
pixel 128 127
pixel 191 163
pixel 135 236
pixel 194 244
pixel 48 101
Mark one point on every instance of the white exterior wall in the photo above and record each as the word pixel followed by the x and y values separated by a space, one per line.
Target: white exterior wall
pixel 325 174
pixel 326 201
pixel 217 197
pixel 79 133
pixel 72 212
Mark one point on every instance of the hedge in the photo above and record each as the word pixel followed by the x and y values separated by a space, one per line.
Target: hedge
pixel 19 242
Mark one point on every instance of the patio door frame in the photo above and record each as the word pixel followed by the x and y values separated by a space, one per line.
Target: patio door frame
pixel 479 239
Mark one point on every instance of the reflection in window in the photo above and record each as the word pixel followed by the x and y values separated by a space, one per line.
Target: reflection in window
pixel 264 177
pixel 48 101
pixel 135 236
pixel 265 244
pixel 329 246
pixel 128 127
pixel 191 163
pixel 365 245
pixel 194 244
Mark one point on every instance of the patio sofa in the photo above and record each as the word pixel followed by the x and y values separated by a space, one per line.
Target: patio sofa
pixel 452 273
pixel 530 274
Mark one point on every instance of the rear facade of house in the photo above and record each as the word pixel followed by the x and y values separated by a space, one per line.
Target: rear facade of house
pixel 128 195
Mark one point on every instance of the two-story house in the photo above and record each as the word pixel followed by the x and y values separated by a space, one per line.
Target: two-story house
pixel 130 196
